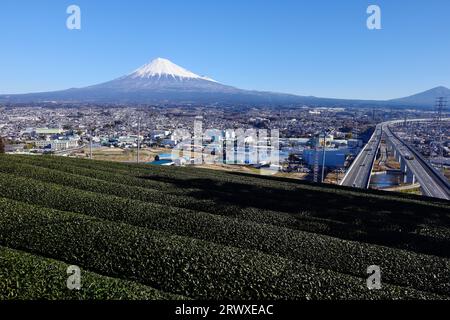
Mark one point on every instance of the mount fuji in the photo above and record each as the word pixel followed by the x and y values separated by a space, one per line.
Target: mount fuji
pixel 162 75
pixel 163 82
pixel 158 82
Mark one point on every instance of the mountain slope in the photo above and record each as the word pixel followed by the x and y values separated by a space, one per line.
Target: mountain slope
pixel 160 67
pixel 426 98
pixel 163 82
pixel 159 81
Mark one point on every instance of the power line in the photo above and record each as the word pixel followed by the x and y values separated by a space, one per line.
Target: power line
pixel 90 145
pixel 316 163
pixel 440 106
pixel 138 139
pixel 323 155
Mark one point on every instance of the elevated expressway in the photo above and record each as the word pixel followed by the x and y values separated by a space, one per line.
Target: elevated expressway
pixel 358 175
pixel 413 165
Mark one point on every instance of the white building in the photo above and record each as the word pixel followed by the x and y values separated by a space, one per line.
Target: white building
pixel 56 145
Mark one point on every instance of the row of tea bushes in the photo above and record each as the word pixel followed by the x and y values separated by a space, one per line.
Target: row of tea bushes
pixel 24 276
pixel 422 238
pixel 180 265
pixel 399 267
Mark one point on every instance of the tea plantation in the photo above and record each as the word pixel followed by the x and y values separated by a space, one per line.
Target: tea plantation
pixel 155 232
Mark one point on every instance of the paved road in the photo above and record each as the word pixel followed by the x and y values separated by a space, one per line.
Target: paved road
pixel 358 175
pixel 68 151
pixel 383 155
pixel 431 184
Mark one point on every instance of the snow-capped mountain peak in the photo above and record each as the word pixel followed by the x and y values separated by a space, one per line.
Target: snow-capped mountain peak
pixel 161 67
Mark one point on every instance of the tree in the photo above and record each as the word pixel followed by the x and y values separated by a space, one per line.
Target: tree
pixel 2 145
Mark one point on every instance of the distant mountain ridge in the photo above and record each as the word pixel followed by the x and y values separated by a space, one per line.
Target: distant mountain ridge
pixel 426 98
pixel 163 82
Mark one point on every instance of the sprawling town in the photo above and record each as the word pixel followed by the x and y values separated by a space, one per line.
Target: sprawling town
pixel 315 144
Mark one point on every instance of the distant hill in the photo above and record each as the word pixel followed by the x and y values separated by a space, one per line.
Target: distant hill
pixel 163 82
pixel 154 232
pixel 426 98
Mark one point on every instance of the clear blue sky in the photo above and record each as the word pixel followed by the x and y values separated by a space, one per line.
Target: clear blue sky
pixel 319 47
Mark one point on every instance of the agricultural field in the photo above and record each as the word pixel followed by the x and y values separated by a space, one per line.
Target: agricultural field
pixel 171 233
pixel 118 154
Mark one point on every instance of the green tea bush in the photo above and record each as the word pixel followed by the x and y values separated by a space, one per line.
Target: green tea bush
pixel 24 276
pixel 180 265
pixel 399 267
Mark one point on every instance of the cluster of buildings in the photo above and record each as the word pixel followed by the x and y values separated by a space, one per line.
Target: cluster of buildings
pixel 328 149
pixel 307 136
pixel 431 139
pixel 43 140
pixel 52 139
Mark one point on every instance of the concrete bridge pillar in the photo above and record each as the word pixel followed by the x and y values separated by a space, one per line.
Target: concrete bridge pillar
pixel 403 166
pixel 410 177
pixel 404 170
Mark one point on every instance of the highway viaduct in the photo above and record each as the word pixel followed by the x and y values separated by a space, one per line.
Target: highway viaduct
pixel 412 163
